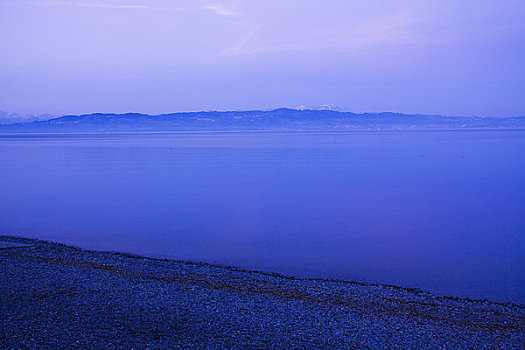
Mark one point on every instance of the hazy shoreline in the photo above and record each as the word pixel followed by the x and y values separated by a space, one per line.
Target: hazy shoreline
pixel 52 290
pixel 262 131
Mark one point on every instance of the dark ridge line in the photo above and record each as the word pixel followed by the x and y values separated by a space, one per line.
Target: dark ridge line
pixel 416 291
pixel 153 116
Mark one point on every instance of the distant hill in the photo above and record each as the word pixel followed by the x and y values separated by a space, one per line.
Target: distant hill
pixel 277 119
pixel 12 118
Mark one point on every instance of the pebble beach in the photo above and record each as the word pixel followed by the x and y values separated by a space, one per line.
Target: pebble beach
pixel 54 296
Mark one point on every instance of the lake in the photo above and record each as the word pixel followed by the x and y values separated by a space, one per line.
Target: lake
pixel 439 210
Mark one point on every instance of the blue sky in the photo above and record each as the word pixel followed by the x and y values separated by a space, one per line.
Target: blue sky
pixel 455 57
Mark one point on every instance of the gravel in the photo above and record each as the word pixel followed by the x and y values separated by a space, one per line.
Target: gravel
pixel 60 297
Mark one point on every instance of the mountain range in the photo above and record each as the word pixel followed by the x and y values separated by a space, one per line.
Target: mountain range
pixel 277 119
pixel 12 118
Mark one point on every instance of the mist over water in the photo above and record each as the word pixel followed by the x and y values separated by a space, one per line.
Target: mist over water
pixel 441 211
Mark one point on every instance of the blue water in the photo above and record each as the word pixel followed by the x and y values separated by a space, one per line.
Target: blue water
pixel 442 211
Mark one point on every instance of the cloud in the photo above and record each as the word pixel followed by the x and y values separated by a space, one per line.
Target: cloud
pixel 236 49
pixel 90 4
pixel 228 9
pixel 399 27
pixel 113 6
pixel 395 28
pixel 221 10
pixel 104 5
pixel 218 8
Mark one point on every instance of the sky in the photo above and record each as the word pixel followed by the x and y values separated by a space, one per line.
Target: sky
pixel 450 57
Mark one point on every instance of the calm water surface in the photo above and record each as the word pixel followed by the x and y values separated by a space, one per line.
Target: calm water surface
pixel 442 211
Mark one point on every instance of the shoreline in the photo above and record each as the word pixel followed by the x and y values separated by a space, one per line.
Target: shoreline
pixel 265 273
pixel 262 131
pixel 260 308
